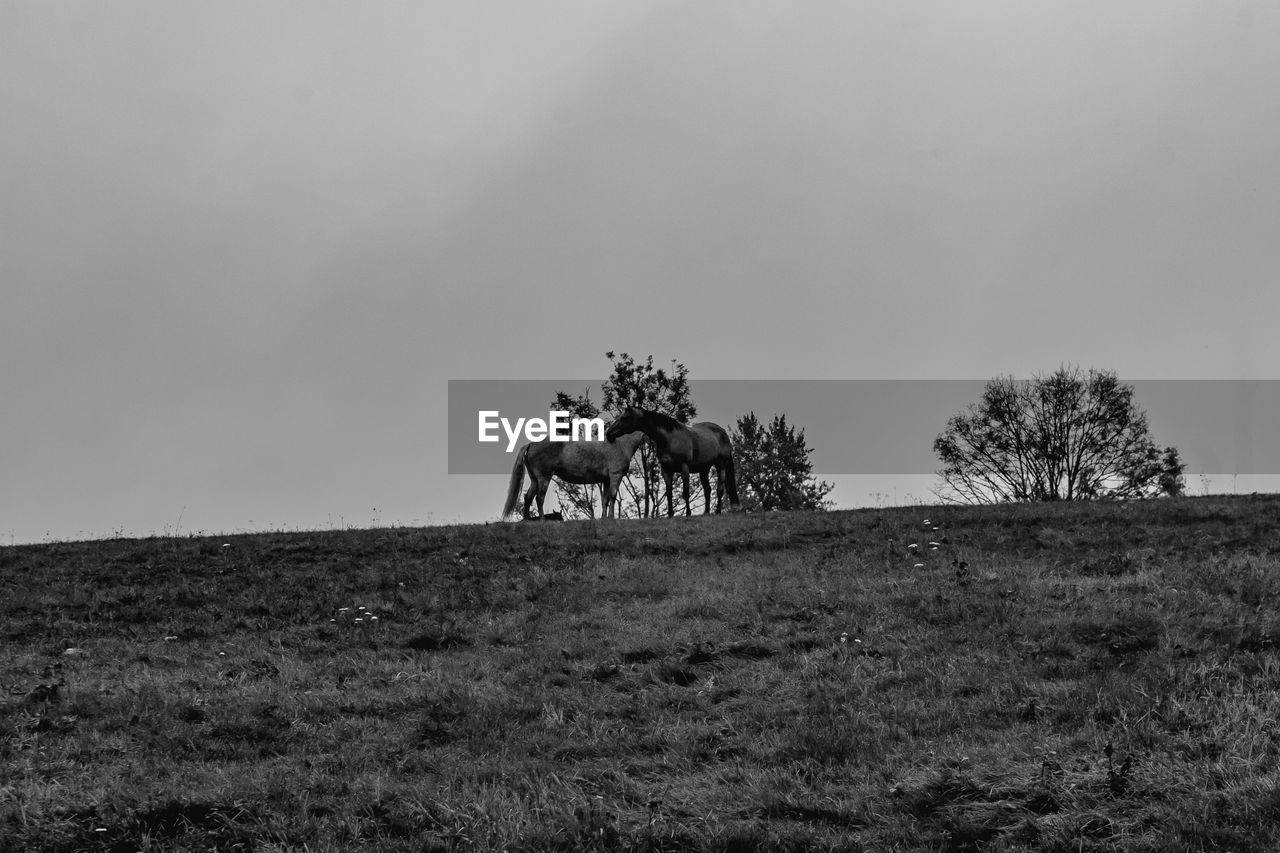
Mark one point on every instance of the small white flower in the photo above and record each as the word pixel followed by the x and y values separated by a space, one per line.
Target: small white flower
pixel 913 545
pixel 918 566
pixel 373 618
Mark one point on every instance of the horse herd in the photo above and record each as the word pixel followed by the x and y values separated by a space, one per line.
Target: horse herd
pixel 684 450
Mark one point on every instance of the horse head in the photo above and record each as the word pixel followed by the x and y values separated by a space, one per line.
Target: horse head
pixel 630 420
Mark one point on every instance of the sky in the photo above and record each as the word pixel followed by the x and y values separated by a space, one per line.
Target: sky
pixel 244 246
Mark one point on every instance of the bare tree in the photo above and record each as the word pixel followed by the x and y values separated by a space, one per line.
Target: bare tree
pixel 1066 436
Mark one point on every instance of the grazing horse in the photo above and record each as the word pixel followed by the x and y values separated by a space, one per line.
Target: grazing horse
pixel 582 462
pixel 684 449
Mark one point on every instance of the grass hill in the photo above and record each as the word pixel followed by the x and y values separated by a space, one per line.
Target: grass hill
pixel 1065 677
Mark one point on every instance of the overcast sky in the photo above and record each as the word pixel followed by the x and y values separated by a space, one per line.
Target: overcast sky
pixel 245 245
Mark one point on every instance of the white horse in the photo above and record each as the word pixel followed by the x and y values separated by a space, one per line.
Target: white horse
pixel 581 462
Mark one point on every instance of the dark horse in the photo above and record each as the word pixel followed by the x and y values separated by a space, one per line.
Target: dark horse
pixel 685 450
pixel 581 462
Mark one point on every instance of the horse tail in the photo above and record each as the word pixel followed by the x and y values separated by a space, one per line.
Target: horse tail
pixel 731 481
pixel 517 480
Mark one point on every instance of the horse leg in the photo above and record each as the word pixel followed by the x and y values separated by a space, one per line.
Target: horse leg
pixel 705 476
pixel 531 493
pixel 684 474
pixel 671 510
pixel 543 485
pixel 607 491
pixel 719 486
pixel 731 483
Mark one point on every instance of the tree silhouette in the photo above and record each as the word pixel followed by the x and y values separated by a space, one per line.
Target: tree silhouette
pixel 1066 436
pixel 773 467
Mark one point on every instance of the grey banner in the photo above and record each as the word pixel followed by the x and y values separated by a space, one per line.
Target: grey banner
pixel 860 426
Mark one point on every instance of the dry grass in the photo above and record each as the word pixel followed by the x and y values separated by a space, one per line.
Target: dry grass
pixel 1097 677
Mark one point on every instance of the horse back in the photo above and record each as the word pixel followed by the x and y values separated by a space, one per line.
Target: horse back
pixel 711 442
pixel 579 462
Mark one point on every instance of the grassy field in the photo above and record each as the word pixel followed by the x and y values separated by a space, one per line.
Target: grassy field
pixel 1091 677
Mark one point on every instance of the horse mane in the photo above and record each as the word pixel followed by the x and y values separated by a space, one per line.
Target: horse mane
pixel 663 419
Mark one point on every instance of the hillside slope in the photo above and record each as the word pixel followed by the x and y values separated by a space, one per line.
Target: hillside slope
pixel 1100 676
